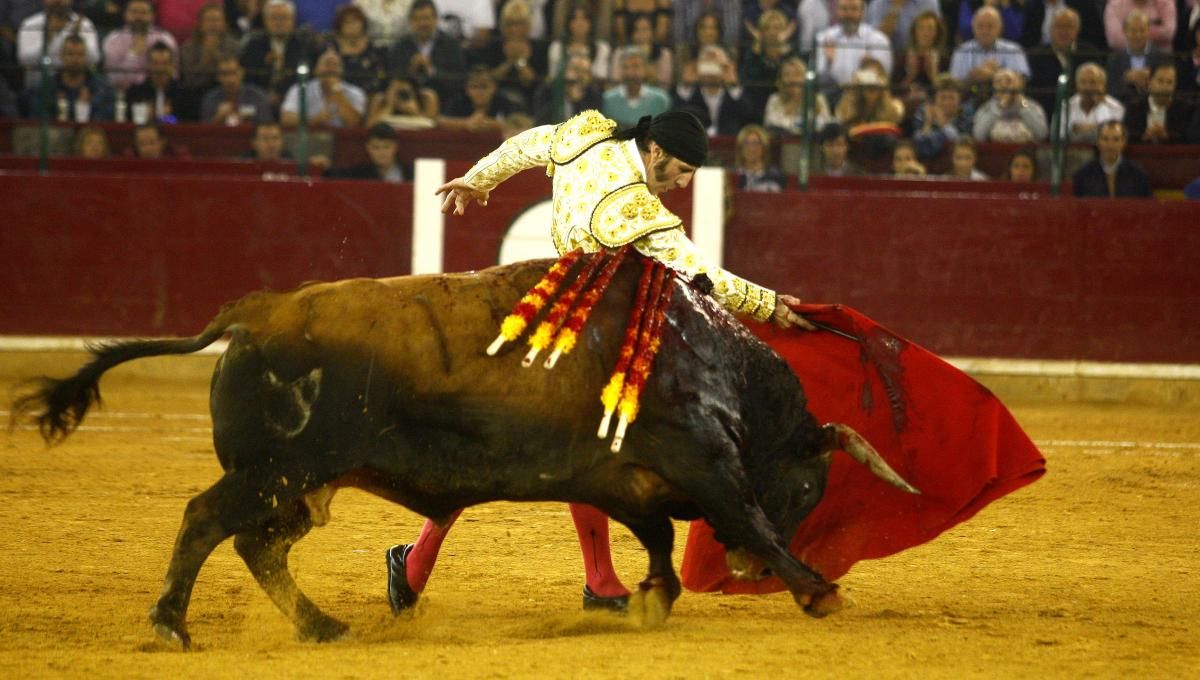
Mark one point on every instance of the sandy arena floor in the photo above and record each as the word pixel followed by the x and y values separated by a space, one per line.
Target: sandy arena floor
pixel 1091 572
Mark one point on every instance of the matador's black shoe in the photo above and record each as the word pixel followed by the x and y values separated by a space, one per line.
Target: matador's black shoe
pixel 618 604
pixel 400 595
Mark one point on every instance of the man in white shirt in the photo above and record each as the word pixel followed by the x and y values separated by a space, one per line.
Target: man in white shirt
pixel 841 48
pixel 1090 106
pixel 47 30
pixel 976 61
pixel 330 100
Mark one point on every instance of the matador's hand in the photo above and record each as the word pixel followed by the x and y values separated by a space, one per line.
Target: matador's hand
pixel 458 195
pixel 784 317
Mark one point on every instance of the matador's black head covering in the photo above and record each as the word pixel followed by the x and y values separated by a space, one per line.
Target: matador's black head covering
pixel 679 133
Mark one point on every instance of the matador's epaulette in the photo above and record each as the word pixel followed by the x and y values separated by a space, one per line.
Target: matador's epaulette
pixel 578 134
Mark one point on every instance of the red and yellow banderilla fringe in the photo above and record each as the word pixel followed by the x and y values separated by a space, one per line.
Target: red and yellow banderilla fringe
pixel 611 394
pixel 514 324
pixel 648 344
pixel 568 335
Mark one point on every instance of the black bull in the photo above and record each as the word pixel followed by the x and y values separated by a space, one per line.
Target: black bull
pixel 384 385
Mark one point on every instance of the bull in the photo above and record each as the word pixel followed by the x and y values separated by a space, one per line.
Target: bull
pixel 384 385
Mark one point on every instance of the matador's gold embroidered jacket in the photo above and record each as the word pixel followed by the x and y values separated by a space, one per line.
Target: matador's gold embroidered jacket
pixel 601 199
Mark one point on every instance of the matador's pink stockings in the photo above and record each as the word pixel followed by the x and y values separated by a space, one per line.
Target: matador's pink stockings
pixel 590 524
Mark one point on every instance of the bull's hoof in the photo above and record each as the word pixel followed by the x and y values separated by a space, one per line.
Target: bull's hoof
pixel 650 606
pixel 170 629
pixel 327 629
pixel 401 596
pixel 592 602
pixel 823 604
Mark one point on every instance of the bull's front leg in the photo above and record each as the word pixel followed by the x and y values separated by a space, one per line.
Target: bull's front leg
pixel 655 595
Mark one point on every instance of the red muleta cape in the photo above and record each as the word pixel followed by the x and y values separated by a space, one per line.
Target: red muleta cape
pixel 938 428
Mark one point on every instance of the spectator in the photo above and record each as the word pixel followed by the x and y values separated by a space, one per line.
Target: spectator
pixel 976 61
pixel 705 33
pixel 1090 106
pixel 233 101
pixel 759 69
pixel 626 12
pixel 267 143
pixel 943 120
pixel 633 98
pixel 710 89
pixel 244 17
pixel 329 100
pixel 160 97
pixel 867 103
pixel 1110 174
pixel 404 104
pixel 126 49
pixel 835 152
pixel 1160 117
pixel 843 47
pixel 785 108
pixel 580 39
pixel 687 22
pixel 924 57
pixel 659 59
pixel 387 20
pixel 383 165
pixel 753 169
pixel 270 57
pixel 77 95
pixel 518 63
pixel 1129 67
pixel 428 55
pixel 467 21
pixel 1010 116
pixel 1160 22
pixel 557 100
pixel 480 108
pixel 904 161
pixel 149 142
pixel 12 14
pixel 814 16
pixel 1063 54
pixel 200 56
pixel 895 18
pixel 752 11
pixel 1039 17
pixel 963 157
pixel 1022 166
pixel 364 63
pixel 1189 62
pixel 600 12
pixel 181 17
pixel 91 142
pixel 1012 19
pixel 54 25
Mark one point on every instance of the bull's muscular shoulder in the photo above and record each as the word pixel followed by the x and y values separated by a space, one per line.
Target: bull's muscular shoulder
pixel 578 134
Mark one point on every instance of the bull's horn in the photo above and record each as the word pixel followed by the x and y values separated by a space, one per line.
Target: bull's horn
pixel 496 345
pixel 861 450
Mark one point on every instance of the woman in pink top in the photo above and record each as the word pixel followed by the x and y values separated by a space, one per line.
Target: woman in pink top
pixel 1161 14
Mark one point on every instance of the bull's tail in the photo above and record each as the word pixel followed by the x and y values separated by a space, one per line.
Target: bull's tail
pixel 59 406
pixel 843 437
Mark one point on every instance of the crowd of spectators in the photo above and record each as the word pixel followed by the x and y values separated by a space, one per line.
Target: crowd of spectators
pixel 913 80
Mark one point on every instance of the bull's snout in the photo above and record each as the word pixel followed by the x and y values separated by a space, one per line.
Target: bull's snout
pixel 745 566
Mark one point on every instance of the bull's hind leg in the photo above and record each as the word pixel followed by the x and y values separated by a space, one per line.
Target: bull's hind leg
pixel 265 551
pixel 655 595
pixel 239 501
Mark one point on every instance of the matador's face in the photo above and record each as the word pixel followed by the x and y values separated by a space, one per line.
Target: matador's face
pixel 665 172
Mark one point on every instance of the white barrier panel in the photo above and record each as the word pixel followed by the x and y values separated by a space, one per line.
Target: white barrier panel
pixel 708 214
pixel 428 230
